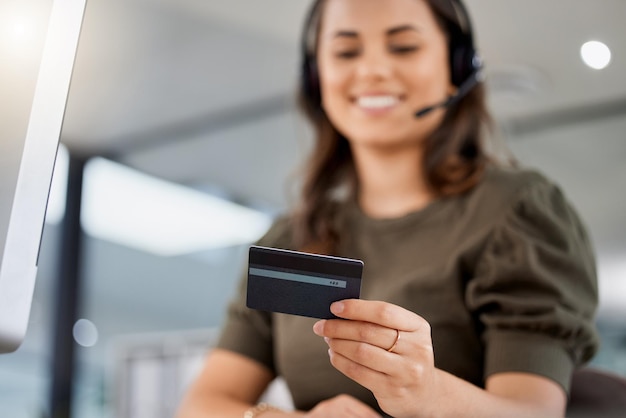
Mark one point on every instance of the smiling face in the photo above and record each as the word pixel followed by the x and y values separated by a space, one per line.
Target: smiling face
pixel 379 62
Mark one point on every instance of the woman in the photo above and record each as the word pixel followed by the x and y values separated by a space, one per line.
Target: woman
pixel 479 285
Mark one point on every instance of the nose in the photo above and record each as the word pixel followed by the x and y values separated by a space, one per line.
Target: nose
pixel 374 64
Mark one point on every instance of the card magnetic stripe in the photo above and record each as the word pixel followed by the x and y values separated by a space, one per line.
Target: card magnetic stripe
pixel 297 277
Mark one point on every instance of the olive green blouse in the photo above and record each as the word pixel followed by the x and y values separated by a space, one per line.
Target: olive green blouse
pixel 505 275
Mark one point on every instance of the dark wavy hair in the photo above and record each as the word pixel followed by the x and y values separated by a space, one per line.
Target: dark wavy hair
pixel 454 157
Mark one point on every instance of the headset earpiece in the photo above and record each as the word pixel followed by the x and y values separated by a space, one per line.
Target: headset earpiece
pixel 310 80
pixel 464 60
pixel 309 77
pixel 463 64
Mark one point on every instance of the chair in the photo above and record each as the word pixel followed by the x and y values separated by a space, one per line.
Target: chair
pixel 597 393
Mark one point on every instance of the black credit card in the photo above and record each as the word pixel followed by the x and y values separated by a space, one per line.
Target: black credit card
pixel 299 283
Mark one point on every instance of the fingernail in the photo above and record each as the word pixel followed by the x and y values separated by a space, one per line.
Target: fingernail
pixel 326 339
pixel 337 307
pixel 318 328
pixel 330 353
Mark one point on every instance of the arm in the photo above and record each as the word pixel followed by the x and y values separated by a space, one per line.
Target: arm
pixel 230 384
pixel 227 386
pixel 529 388
pixel 506 394
pixel 405 380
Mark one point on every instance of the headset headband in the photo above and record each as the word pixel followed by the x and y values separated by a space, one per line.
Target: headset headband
pixel 459 10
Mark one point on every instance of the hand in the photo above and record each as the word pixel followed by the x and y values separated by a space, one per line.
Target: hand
pixel 342 406
pixel 386 349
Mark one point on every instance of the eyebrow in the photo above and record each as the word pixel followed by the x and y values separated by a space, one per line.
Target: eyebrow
pixel 346 34
pixel 389 32
pixel 402 28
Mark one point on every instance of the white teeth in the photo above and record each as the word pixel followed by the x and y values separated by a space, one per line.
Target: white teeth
pixel 377 102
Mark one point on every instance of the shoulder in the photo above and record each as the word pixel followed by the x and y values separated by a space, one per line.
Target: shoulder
pixel 524 205
pixel 503 188
pixel 506 183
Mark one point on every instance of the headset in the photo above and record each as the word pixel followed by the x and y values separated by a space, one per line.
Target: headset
pixel 466 66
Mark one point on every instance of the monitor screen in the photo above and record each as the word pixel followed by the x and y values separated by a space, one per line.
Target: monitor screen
pixel 34 84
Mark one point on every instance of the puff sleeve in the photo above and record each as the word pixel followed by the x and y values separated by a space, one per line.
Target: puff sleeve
pixel 534 291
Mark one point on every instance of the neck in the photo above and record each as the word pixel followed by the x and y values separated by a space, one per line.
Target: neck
pixel 391 182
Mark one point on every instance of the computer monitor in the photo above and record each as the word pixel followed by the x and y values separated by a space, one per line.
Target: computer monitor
pixel 31 116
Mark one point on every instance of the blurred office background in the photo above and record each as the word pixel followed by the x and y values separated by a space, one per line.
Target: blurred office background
pixel 184 113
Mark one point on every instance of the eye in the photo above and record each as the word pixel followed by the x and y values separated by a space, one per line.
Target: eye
pixel 347 54
pixel 403 49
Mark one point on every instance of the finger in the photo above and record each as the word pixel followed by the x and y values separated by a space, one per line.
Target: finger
pixel 366 377
pixel 358 409
pixel 361 410
pixel 377 312
pixel 344 406
pixel 366 332
pixel 366 355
